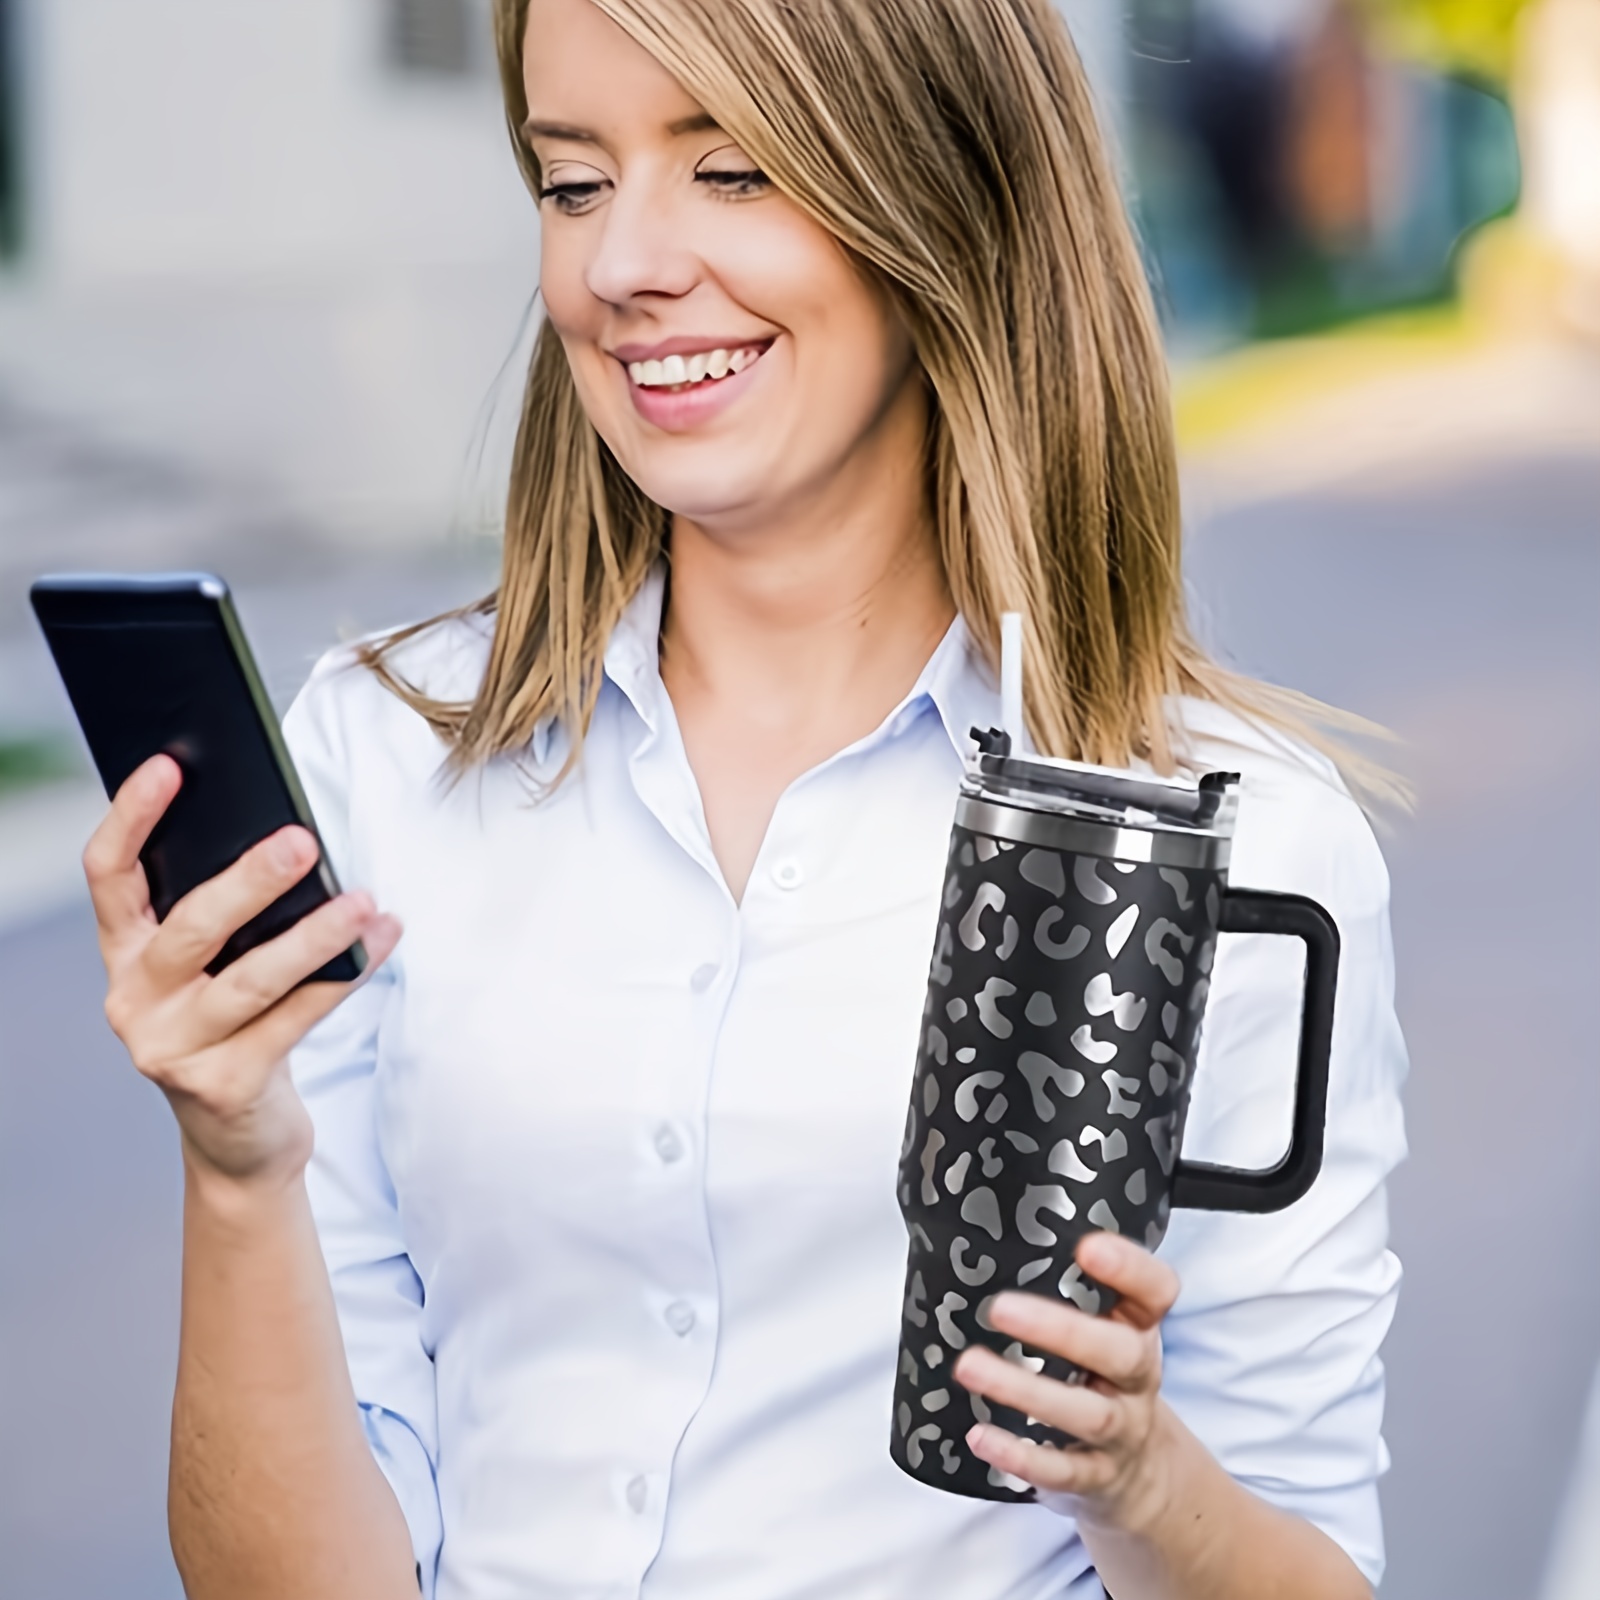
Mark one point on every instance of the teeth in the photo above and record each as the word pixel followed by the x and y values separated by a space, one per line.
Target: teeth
pixel 674 371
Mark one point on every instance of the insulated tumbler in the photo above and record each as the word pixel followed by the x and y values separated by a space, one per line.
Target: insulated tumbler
pixel 1076 935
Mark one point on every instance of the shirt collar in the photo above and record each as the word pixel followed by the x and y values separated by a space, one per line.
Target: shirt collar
pixel 959 686
pixel 633 653
pixel 956 681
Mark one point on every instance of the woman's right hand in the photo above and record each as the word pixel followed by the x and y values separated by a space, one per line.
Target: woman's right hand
pixel 218 1046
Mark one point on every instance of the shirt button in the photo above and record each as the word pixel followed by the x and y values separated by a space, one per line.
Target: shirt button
pixel 702 978
pixel 680 1317
pixel 788 874
pixel 638 1492
pixel 668 1145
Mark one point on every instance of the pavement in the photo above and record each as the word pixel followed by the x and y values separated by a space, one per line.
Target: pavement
pixel 1447 592
pixel 1459 611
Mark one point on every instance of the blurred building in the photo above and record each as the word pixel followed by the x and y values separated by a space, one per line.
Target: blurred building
pixel 187 139
pixel 284 242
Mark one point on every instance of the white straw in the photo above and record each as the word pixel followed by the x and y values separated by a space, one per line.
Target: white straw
pixel 1011 678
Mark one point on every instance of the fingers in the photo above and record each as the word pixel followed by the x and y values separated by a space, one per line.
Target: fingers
pixel 1111 1415
pixel 1078 1472
pixel 1114 1351
pixel 262 977
pixel 276 1032
pixel 224 1069
pixel 1147 1287
pixel 204 920
pixel 1089 1414
pixel 262 999
pixel 111 858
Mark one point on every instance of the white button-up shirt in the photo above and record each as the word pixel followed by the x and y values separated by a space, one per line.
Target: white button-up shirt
pixel 605 1161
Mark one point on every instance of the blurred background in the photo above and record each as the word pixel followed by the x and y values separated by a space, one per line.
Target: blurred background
pixel 266 276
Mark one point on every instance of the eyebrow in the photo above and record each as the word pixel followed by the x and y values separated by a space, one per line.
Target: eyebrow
pixel 557 130
pixel 700 122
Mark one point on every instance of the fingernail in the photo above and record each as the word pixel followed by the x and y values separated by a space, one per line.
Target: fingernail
pixel 287 851
pixel 360 903
pixel 975 1436
pixel 1009 1308
pixel 1097 1246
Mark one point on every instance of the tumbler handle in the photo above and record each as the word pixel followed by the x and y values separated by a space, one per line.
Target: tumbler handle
pixel 1202 1187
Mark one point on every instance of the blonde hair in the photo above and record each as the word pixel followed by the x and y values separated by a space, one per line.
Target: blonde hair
pixel 952 147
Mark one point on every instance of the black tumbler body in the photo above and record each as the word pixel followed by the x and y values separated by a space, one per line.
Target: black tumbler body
pixel 1065 1002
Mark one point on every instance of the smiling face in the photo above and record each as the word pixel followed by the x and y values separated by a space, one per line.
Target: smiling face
pixel 731 354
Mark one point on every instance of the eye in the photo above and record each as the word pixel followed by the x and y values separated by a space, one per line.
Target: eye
pixel 573 190
pixel 730 172
pixel 571 198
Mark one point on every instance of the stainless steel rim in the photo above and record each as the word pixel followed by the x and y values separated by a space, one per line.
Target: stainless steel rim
pixel 1158 846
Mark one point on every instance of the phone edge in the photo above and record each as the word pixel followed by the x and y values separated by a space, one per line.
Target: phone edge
pixel 222 598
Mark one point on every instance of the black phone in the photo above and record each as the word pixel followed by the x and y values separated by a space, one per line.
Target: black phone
pixel 160 663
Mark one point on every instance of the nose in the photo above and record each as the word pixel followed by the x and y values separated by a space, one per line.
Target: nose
pixel 643 248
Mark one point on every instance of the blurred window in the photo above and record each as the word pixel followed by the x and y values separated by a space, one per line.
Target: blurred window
pixel 434 38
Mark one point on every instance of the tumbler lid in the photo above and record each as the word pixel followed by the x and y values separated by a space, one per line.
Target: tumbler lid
pixel 1206 805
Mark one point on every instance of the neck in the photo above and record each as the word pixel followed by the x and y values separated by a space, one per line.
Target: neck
pixel 792 633
pixel 836 598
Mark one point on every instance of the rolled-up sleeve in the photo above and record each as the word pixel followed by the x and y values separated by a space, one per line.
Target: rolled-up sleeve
pixel 1271 1353
pixel 376 1289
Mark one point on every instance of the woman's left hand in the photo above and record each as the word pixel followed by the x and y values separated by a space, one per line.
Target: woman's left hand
pixel 1116 1473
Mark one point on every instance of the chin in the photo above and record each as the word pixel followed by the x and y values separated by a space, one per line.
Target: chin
pixel 706 481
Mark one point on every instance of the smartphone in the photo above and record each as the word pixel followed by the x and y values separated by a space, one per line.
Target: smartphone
pixel 160 664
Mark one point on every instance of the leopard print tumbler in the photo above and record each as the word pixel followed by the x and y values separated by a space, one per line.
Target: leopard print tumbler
pixel 1065 1000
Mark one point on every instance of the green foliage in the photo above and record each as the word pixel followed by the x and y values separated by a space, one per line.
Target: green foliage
pixel 1471 36
pixel 24 762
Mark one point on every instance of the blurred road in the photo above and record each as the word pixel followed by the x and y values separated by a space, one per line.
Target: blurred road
pixel 1461 613
pixel 1457 608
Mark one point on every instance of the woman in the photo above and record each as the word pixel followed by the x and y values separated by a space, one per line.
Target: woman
pixel 847 350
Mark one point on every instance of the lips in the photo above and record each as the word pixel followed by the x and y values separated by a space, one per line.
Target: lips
pixel 682 384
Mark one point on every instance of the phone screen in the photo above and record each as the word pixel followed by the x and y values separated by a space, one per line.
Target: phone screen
pixel 161 665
